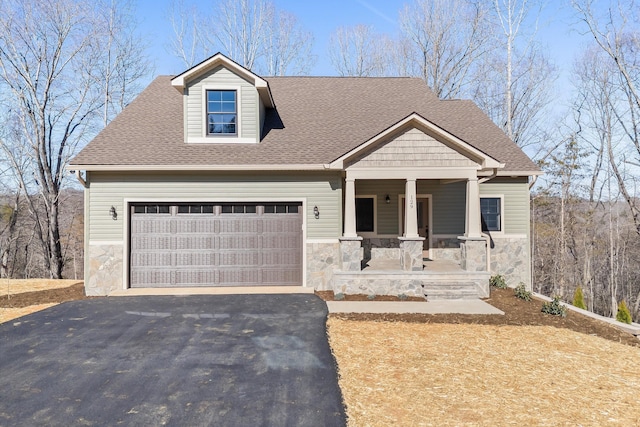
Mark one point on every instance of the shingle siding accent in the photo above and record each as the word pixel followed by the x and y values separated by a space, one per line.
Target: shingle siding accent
pixel 411 148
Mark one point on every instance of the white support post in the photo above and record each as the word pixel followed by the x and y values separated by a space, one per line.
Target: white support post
pixel 410 210
pixel 473 221
pixel 350 208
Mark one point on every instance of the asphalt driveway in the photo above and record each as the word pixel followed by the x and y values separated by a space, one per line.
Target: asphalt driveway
pixel 223 360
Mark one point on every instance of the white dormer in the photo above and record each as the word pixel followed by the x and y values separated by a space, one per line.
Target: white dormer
pixel 223 102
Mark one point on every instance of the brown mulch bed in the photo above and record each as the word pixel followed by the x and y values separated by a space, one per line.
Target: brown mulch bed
pixel 49 296
pixel 517 313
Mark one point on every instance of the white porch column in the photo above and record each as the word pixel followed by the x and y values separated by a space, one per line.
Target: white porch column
pixel 473 227
pixel 350 208
pixel 410 209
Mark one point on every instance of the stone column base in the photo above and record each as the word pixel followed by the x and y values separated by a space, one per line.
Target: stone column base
pixel 351 253
pixel 411 253
pixel 473 253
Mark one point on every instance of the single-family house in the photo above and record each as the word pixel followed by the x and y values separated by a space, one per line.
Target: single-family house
pixel 221 177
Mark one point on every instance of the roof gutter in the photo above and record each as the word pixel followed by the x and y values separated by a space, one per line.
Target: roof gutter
pixel 490 177
pixel 213 168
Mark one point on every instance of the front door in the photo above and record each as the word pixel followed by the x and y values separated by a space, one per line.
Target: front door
pixel 423 210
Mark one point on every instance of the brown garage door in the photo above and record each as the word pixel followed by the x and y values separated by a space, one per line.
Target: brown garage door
pixel 204 244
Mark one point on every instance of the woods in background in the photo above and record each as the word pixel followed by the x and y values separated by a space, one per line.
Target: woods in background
pixel 68 67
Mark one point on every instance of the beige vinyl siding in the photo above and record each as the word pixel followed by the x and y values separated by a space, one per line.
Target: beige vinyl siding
pixel 516 202
pixel 111 189
pixel 448 204
pixel 223 78
pixel 411 148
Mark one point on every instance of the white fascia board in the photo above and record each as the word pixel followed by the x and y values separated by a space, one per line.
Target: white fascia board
pixel 248 168
pixel 486 160
pixel 520 173
pixel 413 173
pixel 180 81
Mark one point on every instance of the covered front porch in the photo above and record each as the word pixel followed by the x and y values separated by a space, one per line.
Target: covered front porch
pixel 419 260
pixel 407 192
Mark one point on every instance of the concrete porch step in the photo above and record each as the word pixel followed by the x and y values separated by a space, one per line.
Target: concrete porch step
pixel 458 285
pixel 450 291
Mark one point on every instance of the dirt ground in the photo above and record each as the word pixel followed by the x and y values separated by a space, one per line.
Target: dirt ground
pixel 517 312
pixel 18 298
pixel 524 368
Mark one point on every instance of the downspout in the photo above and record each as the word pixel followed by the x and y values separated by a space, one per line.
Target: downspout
pixel 533 182
pixel 80 179
pixel 487 238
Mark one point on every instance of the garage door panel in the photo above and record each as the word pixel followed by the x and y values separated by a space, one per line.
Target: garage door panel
pixel 240 242
pixel 197 241
pixel 244 259
pixel 152 258
pixel 196 259
pixel 243 246
pixel 150 243
pixel 232 224
pixel 160 224
pixel 240 277
pixel 195 277
pixel 196 225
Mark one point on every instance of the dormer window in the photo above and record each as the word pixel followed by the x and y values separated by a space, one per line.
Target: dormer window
pixel 222 112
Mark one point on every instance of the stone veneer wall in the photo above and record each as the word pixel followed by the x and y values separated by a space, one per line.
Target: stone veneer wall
pixel 378 247
pixel 322 260
pixel 105 269
pixel 510 257
pixel 446 248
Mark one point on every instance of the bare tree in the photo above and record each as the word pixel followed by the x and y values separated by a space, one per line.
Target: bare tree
pixel 287 46
pixel 186 43
pixel 357 51
pixel 52 61
pixel 617 35
pixel 519 108
pixel 518 76
pixel 123 62
pixel 251 32
pixel 448 37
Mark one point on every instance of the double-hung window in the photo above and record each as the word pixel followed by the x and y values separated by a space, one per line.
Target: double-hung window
pixel 222 112
pixel 491 211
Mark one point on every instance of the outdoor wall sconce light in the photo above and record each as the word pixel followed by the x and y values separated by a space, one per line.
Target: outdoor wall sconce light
pixel 387 199
pixel 316 212
pixel 113 213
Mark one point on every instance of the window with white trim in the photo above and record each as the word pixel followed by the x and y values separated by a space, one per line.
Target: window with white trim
pixel 491 212
pixel 222 112
pixel 365 214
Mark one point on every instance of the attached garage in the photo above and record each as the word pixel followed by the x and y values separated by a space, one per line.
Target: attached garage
pixel 215 244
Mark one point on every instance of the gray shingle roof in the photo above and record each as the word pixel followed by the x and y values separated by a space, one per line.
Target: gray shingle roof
pixel 316 120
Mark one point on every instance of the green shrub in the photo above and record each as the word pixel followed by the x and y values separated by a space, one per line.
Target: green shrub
pixel 521 292
pixel 623 314
pixel 554 308
pixel 371 297
pixel 402 297
pixel 339 296
pixel 497 281
pixel 578 299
